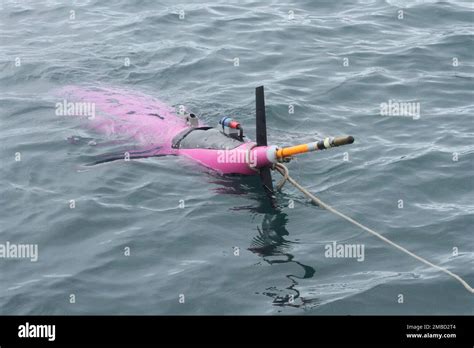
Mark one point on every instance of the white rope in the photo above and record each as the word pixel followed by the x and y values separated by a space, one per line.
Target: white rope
pixel 283 170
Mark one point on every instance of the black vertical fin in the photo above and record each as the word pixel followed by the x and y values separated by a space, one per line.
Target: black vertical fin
pixel 261 118
pixel 266 177
pixel 261 127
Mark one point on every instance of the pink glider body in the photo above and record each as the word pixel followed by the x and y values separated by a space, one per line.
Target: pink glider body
pixel 153 125
pixel 244 159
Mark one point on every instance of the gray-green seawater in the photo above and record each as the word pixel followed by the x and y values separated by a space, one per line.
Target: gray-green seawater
pixel 298 50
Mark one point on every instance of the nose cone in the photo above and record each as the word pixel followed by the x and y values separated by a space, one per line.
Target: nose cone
pixel 343 140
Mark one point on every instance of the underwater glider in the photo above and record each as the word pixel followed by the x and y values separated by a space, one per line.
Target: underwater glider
pixel 160 130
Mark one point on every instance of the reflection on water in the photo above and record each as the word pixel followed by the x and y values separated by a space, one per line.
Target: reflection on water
pixel 270 243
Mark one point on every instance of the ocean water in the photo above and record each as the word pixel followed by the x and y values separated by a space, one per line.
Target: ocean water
pixel 128 247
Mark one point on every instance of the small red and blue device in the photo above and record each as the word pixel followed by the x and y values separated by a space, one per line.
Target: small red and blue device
pixel 231 127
